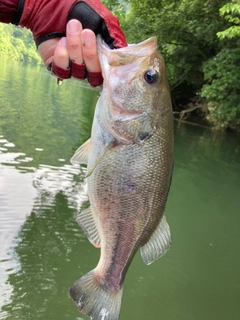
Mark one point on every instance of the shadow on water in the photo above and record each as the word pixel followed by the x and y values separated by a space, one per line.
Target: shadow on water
pixel 42 249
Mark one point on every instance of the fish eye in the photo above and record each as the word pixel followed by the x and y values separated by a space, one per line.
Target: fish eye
pixel 151 76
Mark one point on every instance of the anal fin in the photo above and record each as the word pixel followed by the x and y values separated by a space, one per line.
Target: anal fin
pixel 158 244
pixel 86 221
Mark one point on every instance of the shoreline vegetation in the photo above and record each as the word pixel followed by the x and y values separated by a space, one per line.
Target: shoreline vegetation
pixel 17 44
pixel 199 40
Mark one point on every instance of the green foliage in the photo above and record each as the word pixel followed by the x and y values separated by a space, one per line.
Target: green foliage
pixel 222 73
pixel 199 63
pixel 17 44
pixel 117 7
pixel 231 13
pixel 198 39
pixel 222 88
pixel 187 36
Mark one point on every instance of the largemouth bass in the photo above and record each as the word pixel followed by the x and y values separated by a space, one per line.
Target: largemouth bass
pixel 129 161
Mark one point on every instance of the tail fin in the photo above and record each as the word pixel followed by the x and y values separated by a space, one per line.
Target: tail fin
pixel 94 301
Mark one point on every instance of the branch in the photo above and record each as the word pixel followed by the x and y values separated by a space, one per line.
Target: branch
pixel 183 112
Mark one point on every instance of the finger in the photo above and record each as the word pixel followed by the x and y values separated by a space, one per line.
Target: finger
pixel 61 57
pixel 89 50
pixel 46 50
pixel 74 44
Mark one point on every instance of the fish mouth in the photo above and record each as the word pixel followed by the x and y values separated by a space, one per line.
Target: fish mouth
pixel 126 55
pixel 120 113
pixel 122 70
pixel 123 57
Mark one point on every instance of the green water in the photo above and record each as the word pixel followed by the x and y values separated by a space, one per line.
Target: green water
pixel 42 249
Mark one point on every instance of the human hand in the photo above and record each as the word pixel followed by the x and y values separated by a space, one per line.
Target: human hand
pixel 79 46
pixel 47 21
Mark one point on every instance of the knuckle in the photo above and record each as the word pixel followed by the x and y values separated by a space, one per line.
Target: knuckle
pixel 90 55
pixel 74 46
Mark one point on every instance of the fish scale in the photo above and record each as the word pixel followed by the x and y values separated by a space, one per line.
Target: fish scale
pixel 129 161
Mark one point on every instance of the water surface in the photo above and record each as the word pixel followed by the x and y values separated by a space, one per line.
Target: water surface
pixel 42 249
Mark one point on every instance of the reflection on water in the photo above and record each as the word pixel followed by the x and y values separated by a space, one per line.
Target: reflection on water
pixel 67 180
pixel 33 203
pixel 42 249
pixel 14 205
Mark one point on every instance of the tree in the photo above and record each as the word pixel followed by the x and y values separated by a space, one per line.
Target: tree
pixel 198 39
pixel 231 13
pixel 17 44
pixel 222 73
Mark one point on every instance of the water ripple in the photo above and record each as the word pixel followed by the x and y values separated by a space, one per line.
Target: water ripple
pixel 68 180
pixel 26 191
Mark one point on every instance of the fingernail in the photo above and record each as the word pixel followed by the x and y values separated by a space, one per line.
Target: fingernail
pixel 63 42
pixel 73 26
pixel 88 38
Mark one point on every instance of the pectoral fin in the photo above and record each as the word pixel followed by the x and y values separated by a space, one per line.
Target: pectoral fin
pixel 86 221
pixel 101 155
pixel 158 244
pixel 81 155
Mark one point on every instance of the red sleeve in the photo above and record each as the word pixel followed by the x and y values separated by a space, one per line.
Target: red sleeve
pixel 47 19
pixel 8 9
pixel 46 16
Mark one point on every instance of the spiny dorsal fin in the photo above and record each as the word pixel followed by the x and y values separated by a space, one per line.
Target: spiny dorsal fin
pixel 81 154
pixel 158 244
pixel 86 221
pixel 101 155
